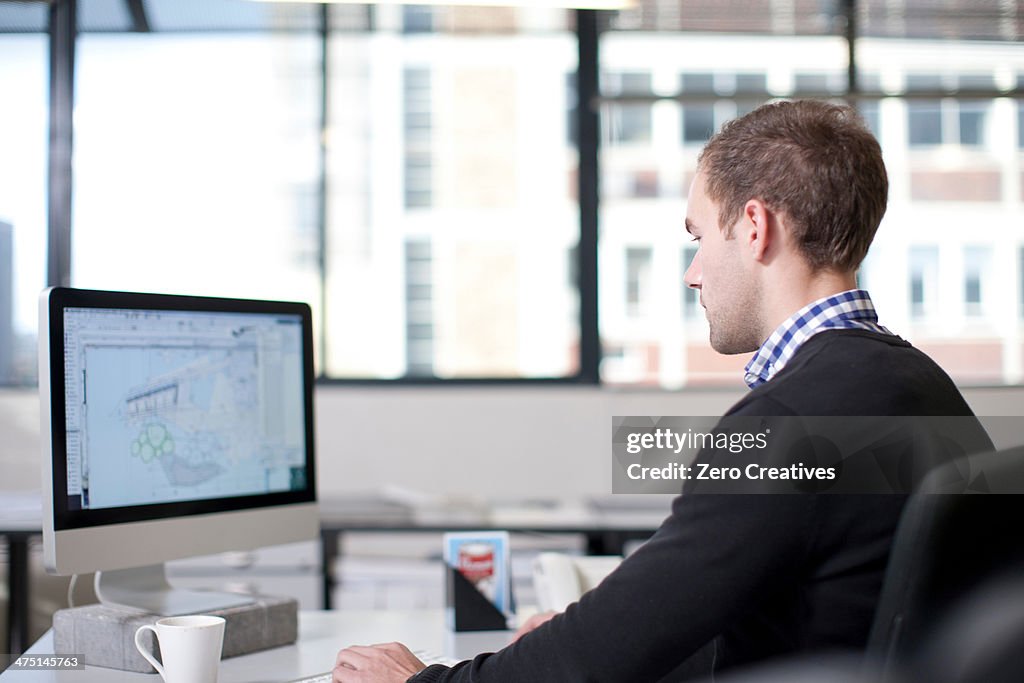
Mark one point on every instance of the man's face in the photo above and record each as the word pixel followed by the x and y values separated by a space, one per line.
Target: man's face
pixel 728 292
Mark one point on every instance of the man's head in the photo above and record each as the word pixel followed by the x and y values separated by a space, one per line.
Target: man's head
pixel 785 204
pixel 813 162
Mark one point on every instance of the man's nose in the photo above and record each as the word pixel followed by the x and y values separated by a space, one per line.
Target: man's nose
pixel 693 274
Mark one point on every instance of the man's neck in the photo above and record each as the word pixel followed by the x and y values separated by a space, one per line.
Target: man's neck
pixel 802 289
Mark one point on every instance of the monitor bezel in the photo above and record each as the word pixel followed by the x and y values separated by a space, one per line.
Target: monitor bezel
pixel 57 300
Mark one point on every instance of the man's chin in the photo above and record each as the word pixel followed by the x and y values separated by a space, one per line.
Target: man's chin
pixel 732 347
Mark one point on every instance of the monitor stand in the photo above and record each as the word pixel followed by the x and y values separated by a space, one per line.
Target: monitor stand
pixel 146 588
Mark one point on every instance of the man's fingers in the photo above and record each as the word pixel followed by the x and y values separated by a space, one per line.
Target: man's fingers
pixel 380 663
pixel 354 657
pixel 393 648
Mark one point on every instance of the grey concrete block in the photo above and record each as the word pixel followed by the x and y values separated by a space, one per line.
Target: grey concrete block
pixel 105 636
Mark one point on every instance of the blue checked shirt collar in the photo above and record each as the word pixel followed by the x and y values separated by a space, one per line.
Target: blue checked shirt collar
pixel 849 310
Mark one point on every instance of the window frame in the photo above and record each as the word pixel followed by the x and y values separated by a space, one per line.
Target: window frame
pixel 585 133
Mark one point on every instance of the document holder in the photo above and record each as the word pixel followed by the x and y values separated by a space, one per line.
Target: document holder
pixel 470 609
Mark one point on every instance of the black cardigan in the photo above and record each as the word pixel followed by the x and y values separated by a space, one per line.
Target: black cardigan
pixel 742 578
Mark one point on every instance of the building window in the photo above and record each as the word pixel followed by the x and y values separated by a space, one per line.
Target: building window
pixel 628 122
pixel 23 215
pixel 1020 125
pixel 947 121
pixel 638 280
pixel 869 109
pixel 417 19
pixel 976 264
pixel 418 124
pixel 819 82
pixel 701 119
pixel 419 308
pixel 924 273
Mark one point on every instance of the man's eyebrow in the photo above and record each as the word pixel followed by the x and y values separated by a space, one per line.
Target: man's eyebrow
pixel 689 225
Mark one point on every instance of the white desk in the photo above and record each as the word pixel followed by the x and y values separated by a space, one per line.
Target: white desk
pixel 321 635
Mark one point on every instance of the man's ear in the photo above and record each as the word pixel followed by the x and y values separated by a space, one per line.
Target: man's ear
pixel 760 228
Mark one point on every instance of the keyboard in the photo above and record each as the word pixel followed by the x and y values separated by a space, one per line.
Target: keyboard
pixel 424 656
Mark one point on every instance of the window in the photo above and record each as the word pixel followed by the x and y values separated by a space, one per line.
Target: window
pixel 452 203
pixel 819 82
pixel 869 109
pixel 638 280
pixel 698 119
pixel 23 220
pixel 701 77
pixel 629 122
pixel 976 264
pixel 1020 125
pixel 924 117
pixel 432 218
pixel 427 220
pixel 419 310
pixel 702 118
pixel 195 154
pixel 924 274
pixel 947 121
pixel 418 158
pixel 417 18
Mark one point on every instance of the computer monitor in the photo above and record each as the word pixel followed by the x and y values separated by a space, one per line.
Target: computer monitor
pixel 172 427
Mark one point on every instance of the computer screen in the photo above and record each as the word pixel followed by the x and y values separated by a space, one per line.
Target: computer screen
pixel 174 426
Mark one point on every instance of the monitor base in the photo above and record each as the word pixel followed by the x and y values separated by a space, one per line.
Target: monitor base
pixel 104 635
pixel 146 588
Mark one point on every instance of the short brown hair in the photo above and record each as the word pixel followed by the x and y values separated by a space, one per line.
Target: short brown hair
pixel 813 161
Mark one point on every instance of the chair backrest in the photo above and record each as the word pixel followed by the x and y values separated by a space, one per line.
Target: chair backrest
pixel 949 542
pixel 979 640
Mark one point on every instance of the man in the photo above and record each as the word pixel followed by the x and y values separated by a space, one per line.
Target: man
pixel 785 203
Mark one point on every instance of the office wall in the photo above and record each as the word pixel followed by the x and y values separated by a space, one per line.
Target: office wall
pixel 494 442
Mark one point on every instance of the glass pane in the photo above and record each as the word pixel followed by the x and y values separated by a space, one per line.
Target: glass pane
pixel 924 123
pixel 638 280
pixel 649 318
pixel 23 153
pixel 698 123
pixel 924 280
pixel 951 178
pixel 1020 125
pixel 945 269
pixel 452 206
pixel 196 164
pixel 976 266
pixel 628 122
pixel 972 123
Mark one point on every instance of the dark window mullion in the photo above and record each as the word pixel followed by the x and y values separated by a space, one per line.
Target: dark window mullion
pixel 588 127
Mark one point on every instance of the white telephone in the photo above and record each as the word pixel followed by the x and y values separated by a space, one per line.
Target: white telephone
pixel 560 579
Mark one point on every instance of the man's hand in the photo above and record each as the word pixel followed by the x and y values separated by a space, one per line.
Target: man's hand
pixel 383 663
pixel 532 623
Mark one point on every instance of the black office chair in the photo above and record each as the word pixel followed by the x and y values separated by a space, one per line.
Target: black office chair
pixel 979 640
pixel 946 546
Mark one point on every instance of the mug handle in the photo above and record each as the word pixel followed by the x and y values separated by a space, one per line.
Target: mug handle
pixel 146 653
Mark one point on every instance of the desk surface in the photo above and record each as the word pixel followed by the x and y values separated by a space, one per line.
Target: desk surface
pixel 321 635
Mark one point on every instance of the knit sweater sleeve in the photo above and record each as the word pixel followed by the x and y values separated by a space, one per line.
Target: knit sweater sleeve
pixel 714 557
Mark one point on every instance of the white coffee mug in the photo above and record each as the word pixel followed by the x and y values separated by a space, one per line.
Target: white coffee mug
pixel 190 647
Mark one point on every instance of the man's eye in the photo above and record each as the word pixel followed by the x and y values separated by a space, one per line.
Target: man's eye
pixel 695 239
